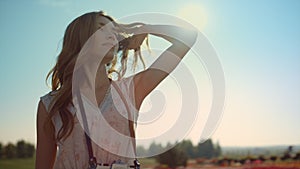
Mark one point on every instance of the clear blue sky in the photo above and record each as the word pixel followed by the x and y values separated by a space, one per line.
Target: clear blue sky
pixel 258 43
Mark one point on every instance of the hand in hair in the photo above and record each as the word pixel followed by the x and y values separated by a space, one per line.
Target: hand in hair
pixel 136 41
pixel 137 32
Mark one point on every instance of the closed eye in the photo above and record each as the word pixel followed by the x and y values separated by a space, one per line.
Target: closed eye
pixel 100 25
pixel 111 29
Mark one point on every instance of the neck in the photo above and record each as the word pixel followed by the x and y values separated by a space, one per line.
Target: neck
pixel 102 80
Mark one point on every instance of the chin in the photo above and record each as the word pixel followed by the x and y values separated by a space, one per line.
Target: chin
pixel 108 58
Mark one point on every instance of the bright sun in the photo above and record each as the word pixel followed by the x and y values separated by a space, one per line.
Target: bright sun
pixel 194 14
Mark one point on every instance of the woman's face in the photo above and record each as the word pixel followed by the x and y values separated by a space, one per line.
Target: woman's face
pixel 106 37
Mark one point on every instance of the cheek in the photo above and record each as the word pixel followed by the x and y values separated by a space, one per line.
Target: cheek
pixel 100 37
pixel 116 46
pixel 115 39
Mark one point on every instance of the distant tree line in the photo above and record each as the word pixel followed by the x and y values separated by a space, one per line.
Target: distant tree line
pixel 177 154
pixel 21 149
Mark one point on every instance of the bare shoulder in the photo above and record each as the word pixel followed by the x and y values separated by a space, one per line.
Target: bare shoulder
pixel 46 143
pixel 41 111
pixel 42 118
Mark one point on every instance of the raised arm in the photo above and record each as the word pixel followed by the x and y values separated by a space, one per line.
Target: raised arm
pixel 181 41
pixel 46 145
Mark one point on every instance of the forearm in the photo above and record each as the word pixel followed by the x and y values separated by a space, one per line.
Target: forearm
pixel 173 34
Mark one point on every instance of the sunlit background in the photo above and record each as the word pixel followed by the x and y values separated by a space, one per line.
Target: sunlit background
pixel 258 43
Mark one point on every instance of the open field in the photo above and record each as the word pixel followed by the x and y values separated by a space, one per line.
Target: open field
pixel 152 164
pixel 17 163
pixel 29 163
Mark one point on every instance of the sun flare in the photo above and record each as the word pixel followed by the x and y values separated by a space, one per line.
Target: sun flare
pixel 195 14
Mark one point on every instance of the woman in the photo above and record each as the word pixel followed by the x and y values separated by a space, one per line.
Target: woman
pixel 61 141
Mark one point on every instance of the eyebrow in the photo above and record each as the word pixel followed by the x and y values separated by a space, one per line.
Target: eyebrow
pixel 103 24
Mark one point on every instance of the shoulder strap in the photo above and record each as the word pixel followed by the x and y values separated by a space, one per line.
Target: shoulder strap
pixel 92 158
pixel 130 122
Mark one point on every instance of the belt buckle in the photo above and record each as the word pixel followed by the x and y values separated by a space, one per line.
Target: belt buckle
pixel 119 166
pixel 103 167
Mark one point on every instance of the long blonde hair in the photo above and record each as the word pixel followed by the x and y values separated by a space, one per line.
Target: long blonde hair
pixel 76 34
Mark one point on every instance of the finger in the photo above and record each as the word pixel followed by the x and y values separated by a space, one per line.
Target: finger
pixel 131 28
pixel 133 24
pixel 136 41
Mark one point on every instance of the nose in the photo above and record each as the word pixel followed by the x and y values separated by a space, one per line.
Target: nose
pixel 110 36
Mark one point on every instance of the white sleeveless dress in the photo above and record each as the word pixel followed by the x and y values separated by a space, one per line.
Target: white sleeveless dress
pixel 107 146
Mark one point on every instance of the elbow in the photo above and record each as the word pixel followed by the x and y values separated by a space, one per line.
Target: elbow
pixel 188 38
pixel 191 38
